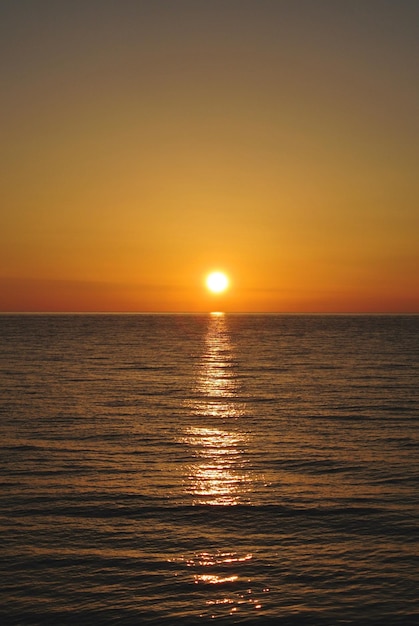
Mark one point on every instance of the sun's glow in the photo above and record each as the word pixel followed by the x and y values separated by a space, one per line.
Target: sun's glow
pixel 217 282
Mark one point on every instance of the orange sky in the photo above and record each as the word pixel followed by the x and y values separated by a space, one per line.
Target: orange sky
pixel 147 143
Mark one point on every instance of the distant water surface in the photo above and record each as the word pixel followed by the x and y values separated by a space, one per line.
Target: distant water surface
pixel 181 469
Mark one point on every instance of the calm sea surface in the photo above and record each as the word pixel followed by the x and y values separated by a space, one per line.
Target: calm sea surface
pixel 181 469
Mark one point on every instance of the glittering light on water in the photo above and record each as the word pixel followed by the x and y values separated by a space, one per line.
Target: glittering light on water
pixel 219 474
pixel 213 579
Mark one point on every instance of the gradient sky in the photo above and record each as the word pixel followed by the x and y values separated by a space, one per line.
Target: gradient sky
pixel 145 143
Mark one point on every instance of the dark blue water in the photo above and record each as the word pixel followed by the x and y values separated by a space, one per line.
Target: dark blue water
pixel 175 469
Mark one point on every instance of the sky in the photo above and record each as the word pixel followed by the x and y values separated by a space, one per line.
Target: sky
pixel 145 143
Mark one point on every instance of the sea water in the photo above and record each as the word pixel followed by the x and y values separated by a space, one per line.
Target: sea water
pixel 187 469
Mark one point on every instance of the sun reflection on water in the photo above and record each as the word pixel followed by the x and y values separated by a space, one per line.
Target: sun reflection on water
pixel 216 380
pixel 225 575
pixel 218 474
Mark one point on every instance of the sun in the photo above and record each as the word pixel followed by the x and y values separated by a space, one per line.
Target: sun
pixel 217 282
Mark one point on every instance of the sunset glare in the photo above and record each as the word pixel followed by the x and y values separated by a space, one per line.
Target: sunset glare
pixel 217 282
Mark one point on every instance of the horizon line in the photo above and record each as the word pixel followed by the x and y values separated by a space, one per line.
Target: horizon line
pixel 301 313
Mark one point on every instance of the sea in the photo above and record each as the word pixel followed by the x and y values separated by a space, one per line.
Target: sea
pixel 215 468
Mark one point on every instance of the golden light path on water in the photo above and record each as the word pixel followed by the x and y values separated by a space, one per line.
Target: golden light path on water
pixel 218 474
